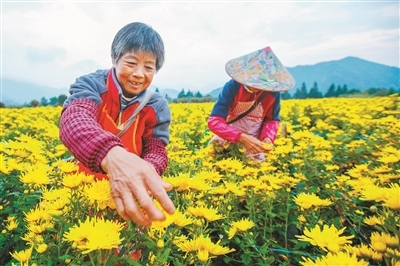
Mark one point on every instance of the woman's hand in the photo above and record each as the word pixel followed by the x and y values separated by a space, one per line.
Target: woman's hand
pixel 252 144
pixel 133 182
pixel 268 145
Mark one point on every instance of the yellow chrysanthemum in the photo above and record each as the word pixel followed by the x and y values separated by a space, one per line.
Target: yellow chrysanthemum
pixel 65 166
pixel 208 213
pixel 233 188
pixel 99 193
pixel 308 200
pixel 201 244
pixel 37 214
pixel 181 220
pixel 340 258
pixel 37 175
pixel 392 197
pixel 375 220
pixel 240 226
pixel 12 225
pixel 23 256
pixel 328 238
pixel 41 248
pixel 54 194
pixel 389 196
pixel 95 234
pixel 389 158
pixel 73 180
pixel 181 182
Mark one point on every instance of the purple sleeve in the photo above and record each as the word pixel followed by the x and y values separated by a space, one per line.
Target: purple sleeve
pixel 219 127
pixel 83 136
pixel 155 153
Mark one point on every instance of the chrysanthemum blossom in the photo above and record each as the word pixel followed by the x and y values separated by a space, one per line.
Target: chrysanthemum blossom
pixel 209 214
pixel 95 234
pixel 309 200
pixel 328 238
pixel 203 246
pixel 240 226
pixel 389 196
pixel 23 256
pixel 340 258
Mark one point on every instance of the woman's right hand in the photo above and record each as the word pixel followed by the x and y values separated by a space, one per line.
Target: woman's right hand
pixel 133 183
pixel 251 143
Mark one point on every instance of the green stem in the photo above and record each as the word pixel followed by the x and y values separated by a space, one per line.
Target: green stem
pixel 287 220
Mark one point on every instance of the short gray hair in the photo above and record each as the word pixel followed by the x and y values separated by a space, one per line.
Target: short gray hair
pixel 137 36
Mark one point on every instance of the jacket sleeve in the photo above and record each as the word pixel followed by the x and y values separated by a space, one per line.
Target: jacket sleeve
pixel 155 153
pixel 79 130
pixel 83 136
pixel 272 120
pixel 90 87
pixel 218 125
pixel 217 120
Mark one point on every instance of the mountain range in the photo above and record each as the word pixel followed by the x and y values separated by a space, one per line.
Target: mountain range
pixel 354 72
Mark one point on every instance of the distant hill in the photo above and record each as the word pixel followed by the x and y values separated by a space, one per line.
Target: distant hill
pixel 171 93
pixel 356 73
pixel 352 71
pixel 20 92
pixel 214 93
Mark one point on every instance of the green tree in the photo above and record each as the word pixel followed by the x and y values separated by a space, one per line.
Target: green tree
pixel 61 99
pixel 157 90
pixel 345 89
pixel 331 92
pixel 354 91
pixel 339 91
pixel 286 95
pixel 198 94
pixel 189 94
pixel 34 103
pixel 2 105
pixel 314 92
pixel 182 94
pixel 53 101
pixel 392 91
pixel 44 102
pixel 297 94
pixel 303 91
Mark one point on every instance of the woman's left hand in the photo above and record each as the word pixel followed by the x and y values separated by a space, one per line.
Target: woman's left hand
pixel 267 144
pixel 252 144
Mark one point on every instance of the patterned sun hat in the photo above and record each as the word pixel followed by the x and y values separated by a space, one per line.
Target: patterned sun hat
pixel 261 70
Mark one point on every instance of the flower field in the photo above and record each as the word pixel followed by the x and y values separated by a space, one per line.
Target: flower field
pixel 328 193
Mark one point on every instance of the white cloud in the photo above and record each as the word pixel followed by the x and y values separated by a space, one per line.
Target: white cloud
pixel 70 38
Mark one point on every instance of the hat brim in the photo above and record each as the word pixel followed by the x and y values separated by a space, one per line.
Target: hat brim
pixel 261 70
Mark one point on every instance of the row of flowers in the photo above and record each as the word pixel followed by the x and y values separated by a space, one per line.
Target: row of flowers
pixel 328 193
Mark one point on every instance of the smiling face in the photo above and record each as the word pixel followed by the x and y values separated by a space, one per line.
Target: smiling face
pixel 135 71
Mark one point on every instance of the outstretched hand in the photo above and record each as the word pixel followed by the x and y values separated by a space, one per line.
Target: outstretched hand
pixel 254 145
pixel 133 183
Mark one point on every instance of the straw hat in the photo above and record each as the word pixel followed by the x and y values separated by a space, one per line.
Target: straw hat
pixel 261 70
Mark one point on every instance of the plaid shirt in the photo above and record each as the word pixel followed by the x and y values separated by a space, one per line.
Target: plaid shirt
pixel 89 143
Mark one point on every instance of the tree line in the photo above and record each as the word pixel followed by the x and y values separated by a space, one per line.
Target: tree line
pixel 333 91
pixel 190 97
pixel 53 101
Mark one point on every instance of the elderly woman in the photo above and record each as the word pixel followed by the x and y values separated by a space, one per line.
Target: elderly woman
pixel 117 129
pixel 247 109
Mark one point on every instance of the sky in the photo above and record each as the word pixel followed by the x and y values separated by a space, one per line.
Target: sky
pixel 52 43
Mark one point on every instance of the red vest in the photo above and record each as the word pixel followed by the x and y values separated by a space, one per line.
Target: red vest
pixel 111 116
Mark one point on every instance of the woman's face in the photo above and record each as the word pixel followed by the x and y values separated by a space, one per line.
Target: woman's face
pixel 135 72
